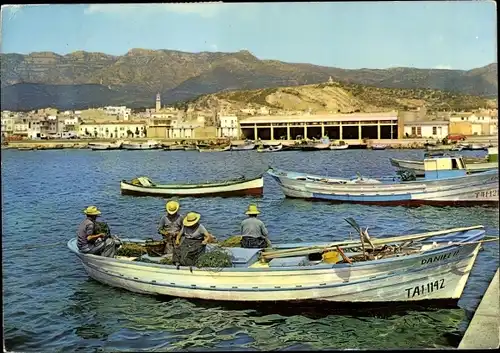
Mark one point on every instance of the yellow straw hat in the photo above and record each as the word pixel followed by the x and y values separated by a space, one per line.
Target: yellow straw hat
pixel 92 211
pixel 252 209
pixel 172 207
pixel 191 219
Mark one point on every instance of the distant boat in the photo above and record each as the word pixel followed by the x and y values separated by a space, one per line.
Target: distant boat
pixel 276 148
pixel 174 148
pixel 339 145
pixel 106 146
pixel 378 147
pixel 246 147
pixel 456 148
pixel 215 149
pixel 190 148
pixel 149 145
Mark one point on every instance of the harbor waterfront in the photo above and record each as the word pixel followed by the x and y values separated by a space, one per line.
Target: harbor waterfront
pixel 51 304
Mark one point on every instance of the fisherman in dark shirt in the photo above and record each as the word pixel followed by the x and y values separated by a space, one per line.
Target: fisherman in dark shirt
pixel 191 240
pixel 170 225
pixel 253 231
pixel 95 244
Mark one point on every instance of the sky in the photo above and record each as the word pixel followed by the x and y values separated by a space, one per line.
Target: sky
pixel 352 35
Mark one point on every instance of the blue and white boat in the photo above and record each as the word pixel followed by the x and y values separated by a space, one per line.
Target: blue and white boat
pixel 445 182
pixel 437 268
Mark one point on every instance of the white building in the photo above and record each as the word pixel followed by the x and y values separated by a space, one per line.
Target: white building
pixel 21 126
pixel 115 129
pixel 34 129
pixel 7 124
pixel 229 127
pixel 427 129
pixel 122 111
pixel 180 129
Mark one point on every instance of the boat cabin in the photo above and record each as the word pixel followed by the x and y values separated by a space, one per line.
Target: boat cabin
pixel 439 167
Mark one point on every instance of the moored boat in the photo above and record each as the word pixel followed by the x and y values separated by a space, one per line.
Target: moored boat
pixel 103 146
pixel 214 149
pixel 174 148
pixel 245 147
pixel 143 186
pixel 275 148
pixel 378 147
pixel 149 145
pixel 432 268
pixel 339 145
pixel 445 183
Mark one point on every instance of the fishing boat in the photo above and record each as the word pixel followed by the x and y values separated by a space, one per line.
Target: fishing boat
pixel 215 149
pixel 143 186
pixel 378 147
pixel 149 145
pixel 103 146
pixel 445 183
pixel 190 148
pixel 472 164
pixel 245 147
pixel 339 145
pixel 276 148
pixel 456 148
pixel 174 148
pixel 426 266
pixel 476 147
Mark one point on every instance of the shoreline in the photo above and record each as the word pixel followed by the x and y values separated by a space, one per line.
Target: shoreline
pixel 356 144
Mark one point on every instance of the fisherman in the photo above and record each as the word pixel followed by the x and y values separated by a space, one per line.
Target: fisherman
pixel 170 225
pixel 95 244
pixel 253 231
pixel 191 241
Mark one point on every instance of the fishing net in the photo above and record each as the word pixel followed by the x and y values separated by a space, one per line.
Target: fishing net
pixel 231 242
pixel 216 258
pixel 101 227
pixel 131 250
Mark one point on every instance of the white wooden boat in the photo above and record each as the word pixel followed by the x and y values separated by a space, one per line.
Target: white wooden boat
pixel 245 147
pixel 143 186
pixel 438 269
pixel 276 148
pixel 378 147
pixel 476 146
pixel 103 146
pixel 315 146
pixel 339 145
pixel 149 145
pixel 445 182
pixel 472 165
pixel 174 148
pixel 214 149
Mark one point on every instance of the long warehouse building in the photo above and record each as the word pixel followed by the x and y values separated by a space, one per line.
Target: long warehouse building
pixel 355 126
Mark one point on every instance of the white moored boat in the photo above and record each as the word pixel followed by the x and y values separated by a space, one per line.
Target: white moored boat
pixel 275 148
pixel 339 145
pixel 445 182
pixel 149 145
pixel 436 269
pixel 143 186
pixel 103 146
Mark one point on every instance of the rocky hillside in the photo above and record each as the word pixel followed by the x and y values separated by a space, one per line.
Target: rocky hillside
pixel 339 98
pixel 134 78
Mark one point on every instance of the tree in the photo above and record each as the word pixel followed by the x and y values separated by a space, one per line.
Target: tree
pixel 130 133
pixel 137 131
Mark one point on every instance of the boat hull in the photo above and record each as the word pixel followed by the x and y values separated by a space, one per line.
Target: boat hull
pixel 249 187
pixel 433 275
pixel 479 189
pixel 243 148
pixel 339 147
pixel 417 167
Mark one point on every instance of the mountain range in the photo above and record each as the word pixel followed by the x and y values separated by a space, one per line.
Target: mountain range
pixel 83 79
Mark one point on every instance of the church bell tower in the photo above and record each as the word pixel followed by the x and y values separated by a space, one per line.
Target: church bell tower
pixel 158 102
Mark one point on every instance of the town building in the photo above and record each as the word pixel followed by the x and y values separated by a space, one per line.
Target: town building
pixel 114 129
pixel 355 126
pixel 427 129
pixel 34 128
pixel 21 127
pixel 473 124
pixel 121 112
pixel 180 129
pixel 229 127
pixel 7 124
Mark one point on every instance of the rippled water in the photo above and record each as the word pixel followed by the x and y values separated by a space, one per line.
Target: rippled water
pixel 50 304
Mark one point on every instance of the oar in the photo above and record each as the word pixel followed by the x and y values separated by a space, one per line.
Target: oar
pixel 353 244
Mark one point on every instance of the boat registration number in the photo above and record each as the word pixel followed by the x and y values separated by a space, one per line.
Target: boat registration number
pixel 425 289
pixel 486 194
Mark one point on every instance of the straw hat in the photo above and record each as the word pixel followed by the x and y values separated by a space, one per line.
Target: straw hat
pixel 172 207
pixel 92 211
pixel 191 219
pixel 252 209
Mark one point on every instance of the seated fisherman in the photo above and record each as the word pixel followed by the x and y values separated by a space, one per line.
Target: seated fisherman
pixel 170 225
pixel 191 241
pixel 96 244
pixel 253 231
